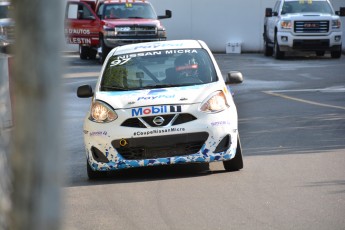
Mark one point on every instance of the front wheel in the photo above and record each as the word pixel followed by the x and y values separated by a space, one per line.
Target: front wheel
pixel 105 50
pixel 336 54
pixel 277 53
pixel 236 163
pixel 268 49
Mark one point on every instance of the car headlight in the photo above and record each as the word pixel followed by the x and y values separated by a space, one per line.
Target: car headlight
pixel 215 103
pixel 336 24
pixel 286 24
pixel 102 113
pixel 110 32
pixel 161 32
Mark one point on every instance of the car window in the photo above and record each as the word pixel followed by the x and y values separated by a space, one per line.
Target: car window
pixel 157 69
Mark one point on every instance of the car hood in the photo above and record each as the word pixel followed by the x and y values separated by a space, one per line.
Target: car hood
pixel 130 22
pixel 164 96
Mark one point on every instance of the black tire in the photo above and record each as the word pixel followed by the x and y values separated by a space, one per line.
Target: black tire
pixel 268 50
pixel 105 51
pixel 336 54
pixel 236 163
pixel 92 54
pixel 320 53
pixel 277 53
pixel 83 52
pixel 93 175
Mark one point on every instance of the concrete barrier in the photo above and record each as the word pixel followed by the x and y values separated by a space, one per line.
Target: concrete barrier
pixel 6 120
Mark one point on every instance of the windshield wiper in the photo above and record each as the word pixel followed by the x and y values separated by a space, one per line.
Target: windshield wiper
pixel 114 88
pixel 158 86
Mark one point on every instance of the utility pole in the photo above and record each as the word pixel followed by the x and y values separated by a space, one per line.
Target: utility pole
pixel 35 154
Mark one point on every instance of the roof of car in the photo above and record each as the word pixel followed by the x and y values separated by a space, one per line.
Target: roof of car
pixel 160 45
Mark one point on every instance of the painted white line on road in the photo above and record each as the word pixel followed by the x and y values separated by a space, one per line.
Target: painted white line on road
pixel 334 89
pixel 84 74
pixel 302 100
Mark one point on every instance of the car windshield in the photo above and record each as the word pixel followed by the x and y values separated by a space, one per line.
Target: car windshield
pixel 5 11
pixel 306 7
pixel 129 10
pixel 158 69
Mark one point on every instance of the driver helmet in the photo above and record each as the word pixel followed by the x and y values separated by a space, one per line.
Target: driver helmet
pixel 186 66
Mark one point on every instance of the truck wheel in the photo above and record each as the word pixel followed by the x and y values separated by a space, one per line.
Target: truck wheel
pixel 235 163
pixel 105 51
pixel 320 53
pixel 336 54
pixel 92 54
pixel 268 50
pixel 83 52
pixel 277 53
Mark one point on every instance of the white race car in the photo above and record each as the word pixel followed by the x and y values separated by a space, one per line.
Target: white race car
pixel 161 103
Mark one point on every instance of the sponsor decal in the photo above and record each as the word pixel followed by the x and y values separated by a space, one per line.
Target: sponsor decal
pixel 157 45
pixel 156 110
pixel 153 53
pixel 155 97
pixel 98 133
pixel 220 123
pixel 158 131
pixel 78 40
pixel 77 31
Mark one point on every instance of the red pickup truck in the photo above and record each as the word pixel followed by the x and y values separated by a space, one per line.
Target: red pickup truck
pixel 98 26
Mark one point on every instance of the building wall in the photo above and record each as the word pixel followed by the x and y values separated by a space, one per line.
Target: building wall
pixel 219 22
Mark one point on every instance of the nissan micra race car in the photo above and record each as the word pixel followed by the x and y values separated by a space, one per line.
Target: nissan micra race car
pixel 161 103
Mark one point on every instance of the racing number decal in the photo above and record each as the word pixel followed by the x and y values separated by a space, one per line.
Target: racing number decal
pixel 119 61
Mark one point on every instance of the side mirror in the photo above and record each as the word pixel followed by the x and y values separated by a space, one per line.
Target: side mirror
pixel 91 17
pixel 268 12
pixel 84 91
pixel 168 14
pixel 341 12
pixel 234 77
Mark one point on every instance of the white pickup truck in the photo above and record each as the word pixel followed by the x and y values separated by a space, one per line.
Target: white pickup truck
pixel 303 25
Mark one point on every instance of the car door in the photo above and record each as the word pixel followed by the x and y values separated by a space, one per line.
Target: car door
pixel 82 25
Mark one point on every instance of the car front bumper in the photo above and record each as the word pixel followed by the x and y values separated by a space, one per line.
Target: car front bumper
pixel 211 137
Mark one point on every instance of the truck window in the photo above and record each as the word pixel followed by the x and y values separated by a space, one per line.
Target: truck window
pixel 5 11
pixel 307 7
pixel 78 11
pixel 129 10
pixel 276 7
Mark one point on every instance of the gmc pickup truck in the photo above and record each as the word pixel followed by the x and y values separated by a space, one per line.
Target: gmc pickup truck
pixel 303 25
pixel 98 26
pixel 6 26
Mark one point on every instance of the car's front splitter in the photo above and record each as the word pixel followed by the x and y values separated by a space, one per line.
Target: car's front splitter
pixel 203 156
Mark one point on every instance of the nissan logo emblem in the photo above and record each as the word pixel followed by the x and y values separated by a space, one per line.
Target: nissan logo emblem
pixel 158 120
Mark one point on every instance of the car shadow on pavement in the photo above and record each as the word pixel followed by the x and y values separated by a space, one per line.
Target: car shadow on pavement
pixel 165 172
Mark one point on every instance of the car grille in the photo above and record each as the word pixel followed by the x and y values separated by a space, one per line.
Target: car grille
pixel 161 146
pixel 311 26
pixel 147 122
pixel 136 31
